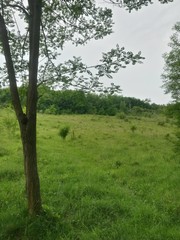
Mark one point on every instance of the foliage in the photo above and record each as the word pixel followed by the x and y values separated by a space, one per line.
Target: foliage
pixel 121 115
pixel 78 102
pixel 63 132
pixel 133 128
pixel 171 77
pixel 171 73
pixel 69 101
pixel 172 111
pixel 5 98
pixel 161 123
pixel 64 21
pixel 134 4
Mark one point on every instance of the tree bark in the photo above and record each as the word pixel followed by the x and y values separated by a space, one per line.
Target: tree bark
pixel 28 136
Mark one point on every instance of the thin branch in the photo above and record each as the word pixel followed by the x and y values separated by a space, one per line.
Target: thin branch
pixel 2 7
pixel 120 3
pixel 44 71
pixel 45 42
pixel 19 7
pixel 23 46
pixel 16 23
pixel 47 53
pixel 10 69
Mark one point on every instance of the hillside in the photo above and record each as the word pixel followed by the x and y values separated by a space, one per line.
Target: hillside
pixel 111 178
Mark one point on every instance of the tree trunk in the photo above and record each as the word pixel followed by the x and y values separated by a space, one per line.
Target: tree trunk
pixel 28 132
pixel 28 135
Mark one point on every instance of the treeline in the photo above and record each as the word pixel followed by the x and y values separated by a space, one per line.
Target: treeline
pixel 78 102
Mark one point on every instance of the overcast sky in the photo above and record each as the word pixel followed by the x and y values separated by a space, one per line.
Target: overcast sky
pixel 147 30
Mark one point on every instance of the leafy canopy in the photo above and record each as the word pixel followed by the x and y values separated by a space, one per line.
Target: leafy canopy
pixel 171 73
pixel 135 4
pixel 62 21
pixel 75 21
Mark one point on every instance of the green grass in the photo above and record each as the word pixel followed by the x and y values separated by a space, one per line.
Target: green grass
pixel 104 181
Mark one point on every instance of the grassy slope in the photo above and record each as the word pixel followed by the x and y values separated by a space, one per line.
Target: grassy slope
pixel 102 182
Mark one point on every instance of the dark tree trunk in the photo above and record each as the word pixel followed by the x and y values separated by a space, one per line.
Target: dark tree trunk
pixel 28 135
pixel 29 131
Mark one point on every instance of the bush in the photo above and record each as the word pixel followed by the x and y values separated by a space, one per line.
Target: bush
pixel 121 115
pixel 51 110
pixel 161 123
pixel 63 132
pixel 133 128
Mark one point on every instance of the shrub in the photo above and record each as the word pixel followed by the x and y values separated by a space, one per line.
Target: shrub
pixel 63 132
pixel 118 164
pixel 51 110
pixel 161 123
pixel 121 115
pixel 133 128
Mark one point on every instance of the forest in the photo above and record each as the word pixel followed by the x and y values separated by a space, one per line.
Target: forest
pixel 79 102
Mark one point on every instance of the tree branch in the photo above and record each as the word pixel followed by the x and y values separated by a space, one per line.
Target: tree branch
pixel 10 69
pixel 20 8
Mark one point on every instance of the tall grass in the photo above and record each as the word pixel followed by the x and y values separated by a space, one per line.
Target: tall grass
pixel 103 182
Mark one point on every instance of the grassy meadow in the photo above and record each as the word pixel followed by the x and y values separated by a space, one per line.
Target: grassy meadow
pixel 110 179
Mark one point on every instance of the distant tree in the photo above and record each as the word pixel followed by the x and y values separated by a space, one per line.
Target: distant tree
pixel 32 36
pixel 122 106
pixel 171 73
pixel 171 76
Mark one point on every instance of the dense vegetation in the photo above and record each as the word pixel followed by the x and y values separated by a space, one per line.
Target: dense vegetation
pixel 77 102
pixel 171 77
pixel 109 179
